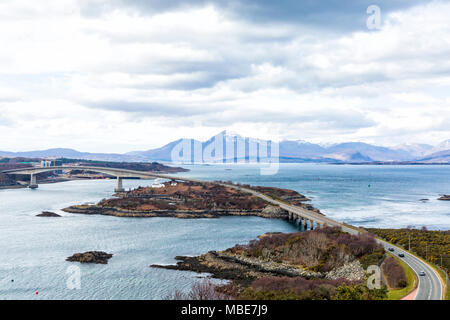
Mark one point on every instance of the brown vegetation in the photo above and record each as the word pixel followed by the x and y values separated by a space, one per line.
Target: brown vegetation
pixel 185 196
pixel 394 274
pixel 320 250
pixel 202 290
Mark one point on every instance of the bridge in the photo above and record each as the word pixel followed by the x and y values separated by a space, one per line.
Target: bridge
pixel 301 216
pixel 118 173
pixel 429 287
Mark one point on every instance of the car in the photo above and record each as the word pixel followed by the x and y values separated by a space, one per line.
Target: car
pixel 422 273
pixel 401 255
pixel 391 249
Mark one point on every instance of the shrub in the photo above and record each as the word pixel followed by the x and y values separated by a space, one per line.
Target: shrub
pixel 203 290
pixel 321 249
pixel 359 292
pixel 394 273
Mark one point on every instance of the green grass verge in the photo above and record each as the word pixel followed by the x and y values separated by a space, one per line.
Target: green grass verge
pixel 397 294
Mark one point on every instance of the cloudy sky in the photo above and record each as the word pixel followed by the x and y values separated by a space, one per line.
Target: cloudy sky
pixel 117 76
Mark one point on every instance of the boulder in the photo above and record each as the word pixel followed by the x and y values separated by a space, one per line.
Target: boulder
pixel 274 212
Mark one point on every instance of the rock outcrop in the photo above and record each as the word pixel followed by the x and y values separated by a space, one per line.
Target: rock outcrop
pixel 274 212
pixel 47 214
pixel 242 270
pixel 350 271
pixel 98 257
pixel 270 212
pixel 445 197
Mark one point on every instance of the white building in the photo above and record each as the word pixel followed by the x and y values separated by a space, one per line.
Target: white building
pixel 46 163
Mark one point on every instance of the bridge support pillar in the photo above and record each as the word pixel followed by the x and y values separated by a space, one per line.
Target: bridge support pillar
pixel 119 187
pixel 33 184
pixel 311 224
pixel 290 216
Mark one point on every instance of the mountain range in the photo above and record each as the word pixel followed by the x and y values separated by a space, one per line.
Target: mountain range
pixel 289 151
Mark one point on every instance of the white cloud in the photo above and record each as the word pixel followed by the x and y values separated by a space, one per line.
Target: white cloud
pixel 118 81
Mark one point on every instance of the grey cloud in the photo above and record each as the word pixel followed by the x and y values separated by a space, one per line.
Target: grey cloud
pixel 337 15
pixel 147 108
pixel 349 120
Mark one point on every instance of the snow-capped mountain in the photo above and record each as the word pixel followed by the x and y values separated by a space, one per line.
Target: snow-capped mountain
pixel 289 151
pixel 415 149
pixel 443 146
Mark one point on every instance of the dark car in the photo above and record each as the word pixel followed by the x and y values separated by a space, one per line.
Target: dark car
pixel 391 249
pixel 401 255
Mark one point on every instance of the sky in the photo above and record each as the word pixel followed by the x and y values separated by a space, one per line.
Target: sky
pixel 118 76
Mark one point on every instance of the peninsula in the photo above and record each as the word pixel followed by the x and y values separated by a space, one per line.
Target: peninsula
pixel 325 263
pixel 193 200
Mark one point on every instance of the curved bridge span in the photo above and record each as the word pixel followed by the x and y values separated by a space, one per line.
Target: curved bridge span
pixel 116 172
pixel 429 287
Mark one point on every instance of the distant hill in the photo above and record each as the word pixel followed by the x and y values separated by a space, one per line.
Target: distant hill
pixel 303 151
pixel 161 154
pixel 290 151
pixel 72 154
pixel 437 157
pixel 354 150
pixel 417 150
pixel 443 146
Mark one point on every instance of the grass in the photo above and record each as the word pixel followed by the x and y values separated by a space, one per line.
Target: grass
pixel 397 294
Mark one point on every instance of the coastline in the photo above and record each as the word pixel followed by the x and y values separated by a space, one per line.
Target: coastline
pixel 181 214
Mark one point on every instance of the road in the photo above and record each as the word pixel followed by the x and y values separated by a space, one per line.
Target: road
pixel 430 286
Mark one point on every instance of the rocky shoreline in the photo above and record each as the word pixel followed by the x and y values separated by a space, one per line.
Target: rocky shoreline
pixel 270 212
pixel 445 197
pixel 242 270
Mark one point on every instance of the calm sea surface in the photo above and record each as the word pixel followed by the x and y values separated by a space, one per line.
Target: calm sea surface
pixel 33 249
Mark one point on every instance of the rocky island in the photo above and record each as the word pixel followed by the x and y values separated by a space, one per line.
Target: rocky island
pixel 317 264
pixel 445 197
pixel 48 214
pixel 188 200
pixel 98 257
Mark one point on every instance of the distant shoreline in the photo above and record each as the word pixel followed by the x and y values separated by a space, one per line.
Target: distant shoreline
pixel 392 163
